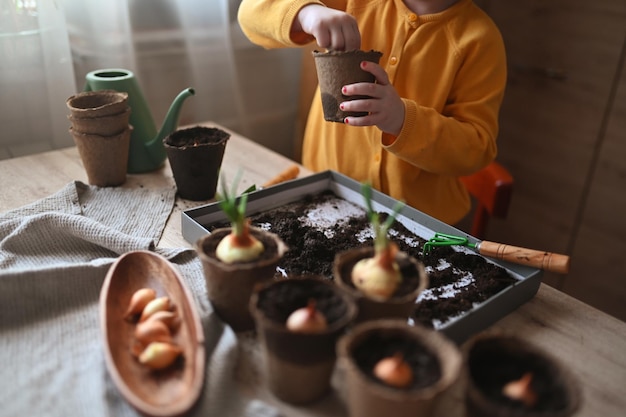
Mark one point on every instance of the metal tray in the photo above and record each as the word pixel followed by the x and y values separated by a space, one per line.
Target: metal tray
pixel 196 223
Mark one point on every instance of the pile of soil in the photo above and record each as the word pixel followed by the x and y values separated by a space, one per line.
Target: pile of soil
pixel 457 280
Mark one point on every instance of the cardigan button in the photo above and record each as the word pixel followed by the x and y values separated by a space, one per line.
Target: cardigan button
pixel 393 60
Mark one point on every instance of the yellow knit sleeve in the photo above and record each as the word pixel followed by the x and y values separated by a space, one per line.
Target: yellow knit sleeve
pixel 268 22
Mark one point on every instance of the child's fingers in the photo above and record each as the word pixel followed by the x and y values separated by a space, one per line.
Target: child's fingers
pixel 377 71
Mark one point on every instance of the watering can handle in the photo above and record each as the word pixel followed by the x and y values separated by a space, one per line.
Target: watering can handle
pixel 547 261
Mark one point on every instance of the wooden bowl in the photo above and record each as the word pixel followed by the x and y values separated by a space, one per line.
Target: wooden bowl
pixel 168 392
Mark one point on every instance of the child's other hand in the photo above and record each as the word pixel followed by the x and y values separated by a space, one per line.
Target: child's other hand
pixel 385 107
pixel 332 29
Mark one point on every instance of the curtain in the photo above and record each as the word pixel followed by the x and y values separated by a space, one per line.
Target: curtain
pixel 36 76
pixel 174 44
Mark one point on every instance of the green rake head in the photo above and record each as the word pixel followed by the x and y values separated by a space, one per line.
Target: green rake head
pixel 443 239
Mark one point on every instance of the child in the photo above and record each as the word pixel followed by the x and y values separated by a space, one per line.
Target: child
pixel 433 112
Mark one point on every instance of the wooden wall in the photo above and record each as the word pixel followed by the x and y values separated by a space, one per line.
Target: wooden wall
pixel 563 137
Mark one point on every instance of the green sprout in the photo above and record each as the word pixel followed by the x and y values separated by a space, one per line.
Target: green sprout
pixel 381 238
pixel 233 207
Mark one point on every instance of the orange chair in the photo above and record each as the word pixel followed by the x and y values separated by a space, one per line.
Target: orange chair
pixel 491 187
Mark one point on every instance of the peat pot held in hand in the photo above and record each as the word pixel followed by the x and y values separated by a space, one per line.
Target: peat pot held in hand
pixel 299 350
pixel 394 369
pixel 336 69
pixel 402 301
pixel 230 285
pixel 195 155
pixel 507 376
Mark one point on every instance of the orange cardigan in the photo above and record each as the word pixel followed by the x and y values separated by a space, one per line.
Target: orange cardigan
pixel 450 70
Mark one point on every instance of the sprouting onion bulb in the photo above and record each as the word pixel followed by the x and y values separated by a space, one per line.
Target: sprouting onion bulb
pixel 239 248
pixel 379 276
pixel 521 390
pixel 307 319
pixel 394 371
pixel 240 245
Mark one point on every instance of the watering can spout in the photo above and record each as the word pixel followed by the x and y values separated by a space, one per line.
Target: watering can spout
pixel 171 118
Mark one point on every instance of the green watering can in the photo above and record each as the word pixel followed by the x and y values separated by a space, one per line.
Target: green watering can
pixel 146 152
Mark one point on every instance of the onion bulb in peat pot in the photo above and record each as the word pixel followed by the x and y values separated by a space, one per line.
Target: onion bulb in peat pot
pixel 379 276
pixel 307 319
pixel 240 245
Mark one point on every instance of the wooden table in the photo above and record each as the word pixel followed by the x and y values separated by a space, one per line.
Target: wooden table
pixel 592 343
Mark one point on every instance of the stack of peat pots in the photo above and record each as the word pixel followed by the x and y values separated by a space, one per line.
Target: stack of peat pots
pixel 100 128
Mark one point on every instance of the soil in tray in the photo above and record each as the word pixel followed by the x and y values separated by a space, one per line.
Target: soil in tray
pixel 319 226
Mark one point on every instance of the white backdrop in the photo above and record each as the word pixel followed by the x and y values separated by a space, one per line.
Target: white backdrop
pixel 170 45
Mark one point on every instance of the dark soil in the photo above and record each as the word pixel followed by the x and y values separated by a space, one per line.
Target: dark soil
pixel 279 301
pixel 198 135
pixel 425 366
pixel 493 365
pixel 311 252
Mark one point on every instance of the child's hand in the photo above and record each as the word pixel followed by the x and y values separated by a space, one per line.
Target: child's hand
pixel 385 107
pixel 332 29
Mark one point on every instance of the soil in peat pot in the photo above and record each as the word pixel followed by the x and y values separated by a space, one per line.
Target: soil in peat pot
pixel 424 364
pixel 319 226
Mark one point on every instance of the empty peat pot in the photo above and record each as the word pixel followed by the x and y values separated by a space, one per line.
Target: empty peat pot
pixel 105 125
pixel 507 376
pixel 299 365
pixel 433 360
pixel 401 303
pixel 229 286
pixel 336 69
pixel 95 104
pixel 104 157
pixel 195 155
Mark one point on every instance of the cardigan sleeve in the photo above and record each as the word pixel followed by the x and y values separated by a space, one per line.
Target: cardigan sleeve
pixel 268 22
pixel 460 139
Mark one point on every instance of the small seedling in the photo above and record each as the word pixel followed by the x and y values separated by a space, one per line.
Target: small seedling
pixel 239 245
pixel 379 276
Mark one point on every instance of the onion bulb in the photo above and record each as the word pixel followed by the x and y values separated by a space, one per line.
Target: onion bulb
pixel 521 390
pixel 159 355
pixel 138 301
pixel 158 304
pixel 234 249
pixel 376 280
pixel 152 331
pixel 307 320
pixel 394 371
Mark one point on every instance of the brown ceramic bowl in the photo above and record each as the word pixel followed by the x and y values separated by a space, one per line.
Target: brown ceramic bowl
pixel 168 392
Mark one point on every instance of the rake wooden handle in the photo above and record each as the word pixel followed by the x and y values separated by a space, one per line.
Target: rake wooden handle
pixel 547 261
pixel 288 174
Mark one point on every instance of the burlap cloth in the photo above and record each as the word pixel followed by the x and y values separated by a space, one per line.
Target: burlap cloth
pixel 54 255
